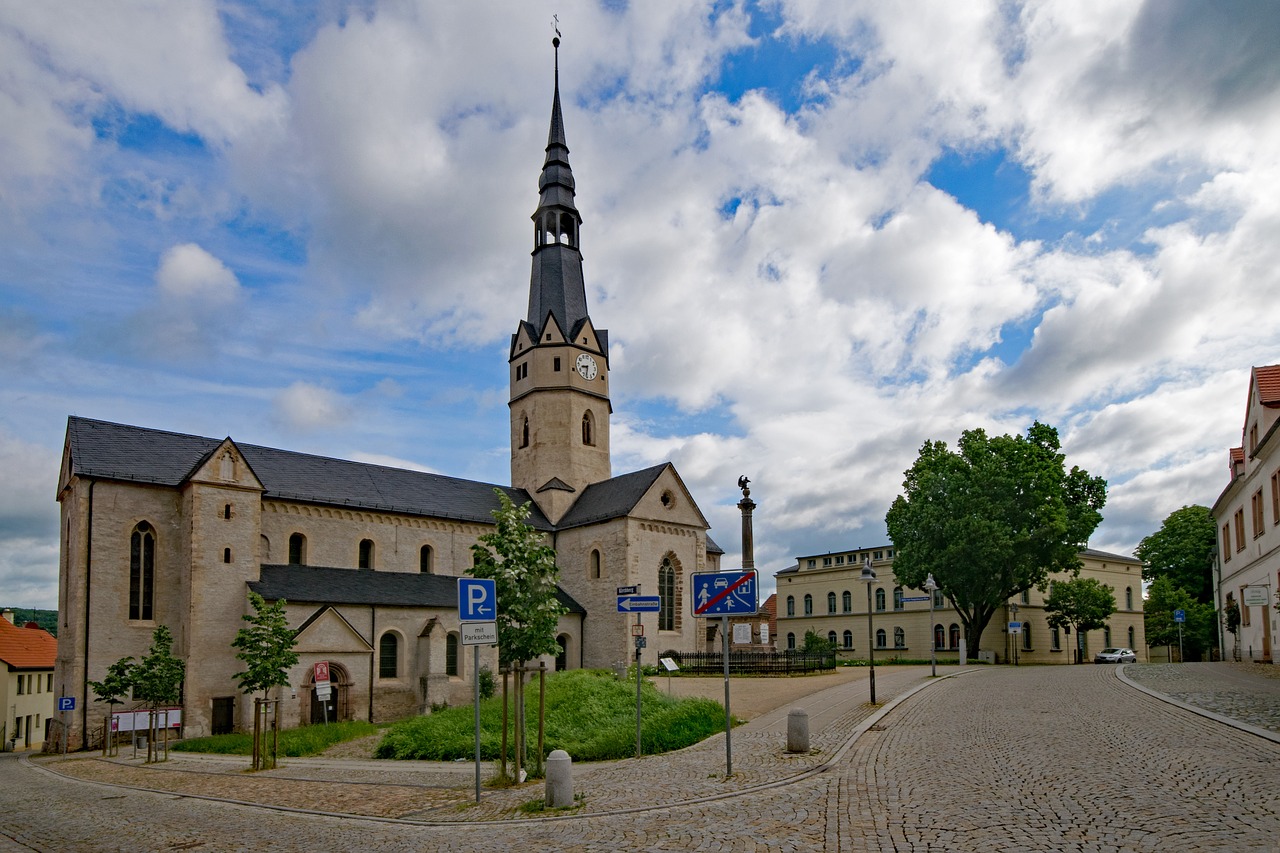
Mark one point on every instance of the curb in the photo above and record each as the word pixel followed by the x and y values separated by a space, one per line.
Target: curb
pixel 1248 728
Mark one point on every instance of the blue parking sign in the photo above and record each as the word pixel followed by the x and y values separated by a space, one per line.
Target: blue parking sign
pixel 66 703
pixel 477 599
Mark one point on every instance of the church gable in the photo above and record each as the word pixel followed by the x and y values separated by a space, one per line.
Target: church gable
pixel 327 631
pixel 668 500
pixel 585 335
pixel 226 466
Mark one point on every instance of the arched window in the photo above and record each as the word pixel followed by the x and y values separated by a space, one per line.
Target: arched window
pixel 791 605
pixel 297 550
pixel 831 638
pixel 226 555
pixel 899 638
pixel 388 656
pixel 562 655
pixel 880 638
pixel 848 639
pixel 897 598
pixel 366 554
pixel 1106 636
pixel 953 636
pixel 142 572
pixel 524 433
pixel 879 599
pixel 831 602
pixel 939 636
pixel 846 600
pixel 667 596
pixel 425 560
pixel 451 655
pixel 588 429
pixel 1026 635
pixel 808 605
pixel 1128 598
pixel 1055 639
pixel 791 642
pixel 1131 637
pixel 594 563
pixel 226 511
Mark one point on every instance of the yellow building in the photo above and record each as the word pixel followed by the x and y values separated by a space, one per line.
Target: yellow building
pixel 825 593
pixel 26 690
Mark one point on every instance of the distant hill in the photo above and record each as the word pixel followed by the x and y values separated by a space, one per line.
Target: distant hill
pixel 46 619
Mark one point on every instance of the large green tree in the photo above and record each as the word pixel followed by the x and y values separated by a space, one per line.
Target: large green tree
pixel 1079 604
pixel 1182 550
pixel 991 519
pixel 1199 631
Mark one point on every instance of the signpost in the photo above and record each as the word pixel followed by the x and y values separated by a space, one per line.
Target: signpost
pixel 1180 616
pixel 65 704
pixel 478 612
pixel 630 601
pixel 726 594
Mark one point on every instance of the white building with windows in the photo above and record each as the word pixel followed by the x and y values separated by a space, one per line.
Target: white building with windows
pixel 825 593
pixel 1248 518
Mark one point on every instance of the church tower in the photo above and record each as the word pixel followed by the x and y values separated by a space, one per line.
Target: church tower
pixel 559 361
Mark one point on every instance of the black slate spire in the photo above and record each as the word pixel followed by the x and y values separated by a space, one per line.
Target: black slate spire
pixel 556 285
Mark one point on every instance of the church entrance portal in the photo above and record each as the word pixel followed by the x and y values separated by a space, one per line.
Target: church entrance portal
pixel 337 707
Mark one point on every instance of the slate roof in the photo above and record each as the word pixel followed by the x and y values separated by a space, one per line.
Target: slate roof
pixel 612 498
pixel 136 454
pixel 27 648
pixel 327 585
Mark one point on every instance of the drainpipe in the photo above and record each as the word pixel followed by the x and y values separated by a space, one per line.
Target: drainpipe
pixel 88 583
pixel 373 652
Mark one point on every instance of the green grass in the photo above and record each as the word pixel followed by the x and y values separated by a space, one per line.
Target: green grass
pixel 294 743
pixel 590 714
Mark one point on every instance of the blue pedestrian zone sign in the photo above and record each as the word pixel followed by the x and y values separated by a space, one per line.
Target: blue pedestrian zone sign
pixel 477 599
pixel 1179 616
pixel 725 593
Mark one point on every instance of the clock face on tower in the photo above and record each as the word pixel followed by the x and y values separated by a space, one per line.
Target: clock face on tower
pixel 586 366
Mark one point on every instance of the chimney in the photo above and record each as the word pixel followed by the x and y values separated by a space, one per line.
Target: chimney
pixel 8 615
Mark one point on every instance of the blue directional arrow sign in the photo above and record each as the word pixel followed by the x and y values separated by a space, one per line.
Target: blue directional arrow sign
pixel 477 599
pixel 639 603
pixel 725 593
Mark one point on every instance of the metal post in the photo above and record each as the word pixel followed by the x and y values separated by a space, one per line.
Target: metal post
pixel 1013 638
pixel 636 641
pixel 475 676
pixel 728 718
pixel 1181 658
pixel 930 585
pixel 868 577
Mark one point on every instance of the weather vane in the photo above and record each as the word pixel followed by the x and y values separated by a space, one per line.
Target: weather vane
pixel 555 25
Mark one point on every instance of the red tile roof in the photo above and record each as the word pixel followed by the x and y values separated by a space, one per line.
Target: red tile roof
pixel 27 648
pixel 1268 381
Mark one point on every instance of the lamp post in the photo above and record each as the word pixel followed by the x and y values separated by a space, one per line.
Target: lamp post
pixel 869 577
pixel 930 585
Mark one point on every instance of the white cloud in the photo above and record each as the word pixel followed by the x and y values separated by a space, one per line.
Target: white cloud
pixel 188 272
pixel 304 406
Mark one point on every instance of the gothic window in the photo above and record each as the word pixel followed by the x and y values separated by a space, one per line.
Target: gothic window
pixel 899 638
pixel 424 559
pixel 594 562
pixel 808 605
pixel 524 433
pixel 791 605
pixel 667 595
pixel 879 599
pixel 846 600
pixel 366 554
pixel 848 639
pixel 226 555
pixel 388 656
pixel 451 655
pixel 142 571
pixel 831 602
pixel 297 550
pixel 880 638
pixel 588 429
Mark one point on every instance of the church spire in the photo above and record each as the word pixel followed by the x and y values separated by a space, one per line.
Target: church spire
pixel 556 285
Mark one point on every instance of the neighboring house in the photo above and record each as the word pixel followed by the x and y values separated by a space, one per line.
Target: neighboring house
pixel 161 528
pixel 825 593
pixel 26 692
pixel 1248 519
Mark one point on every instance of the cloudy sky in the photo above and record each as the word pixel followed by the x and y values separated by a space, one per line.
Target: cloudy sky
pixel 819 234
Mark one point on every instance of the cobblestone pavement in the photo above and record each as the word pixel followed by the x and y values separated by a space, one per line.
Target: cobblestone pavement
pixel 1033 758
pixel 1248 692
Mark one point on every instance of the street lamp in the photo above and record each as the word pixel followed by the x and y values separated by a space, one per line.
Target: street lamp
pixel 869 577
pixel 930 585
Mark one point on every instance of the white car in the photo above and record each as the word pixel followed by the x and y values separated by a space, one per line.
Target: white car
pixel 1116 656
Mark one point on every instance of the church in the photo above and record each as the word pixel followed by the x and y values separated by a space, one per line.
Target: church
pixel 161 528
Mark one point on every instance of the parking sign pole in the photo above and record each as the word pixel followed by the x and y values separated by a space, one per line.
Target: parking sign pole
pixel 728 727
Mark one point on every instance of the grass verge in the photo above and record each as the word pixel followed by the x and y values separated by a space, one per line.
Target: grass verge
pixel 294 743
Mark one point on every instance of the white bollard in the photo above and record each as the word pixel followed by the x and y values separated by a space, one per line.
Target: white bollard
pixel 559 791
pixel 798 730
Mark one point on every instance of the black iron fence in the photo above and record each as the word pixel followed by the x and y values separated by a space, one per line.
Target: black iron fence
pixel 753 663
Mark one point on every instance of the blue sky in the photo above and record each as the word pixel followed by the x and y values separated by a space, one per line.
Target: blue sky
pixel 818 233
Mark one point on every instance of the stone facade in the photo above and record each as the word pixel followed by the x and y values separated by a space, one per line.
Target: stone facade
pixel 825 593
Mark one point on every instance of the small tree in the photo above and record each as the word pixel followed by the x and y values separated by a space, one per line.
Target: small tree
pixel 157 679
pixel 266 647
pixel 1163 598
pixel 1084 604
pixel 816 644
pixel 1231 621
pixel 523 568
pixel 113 689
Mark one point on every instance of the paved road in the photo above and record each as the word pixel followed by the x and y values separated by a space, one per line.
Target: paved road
pixel 1035 758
